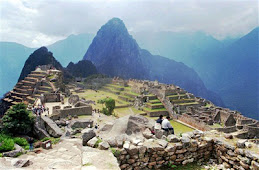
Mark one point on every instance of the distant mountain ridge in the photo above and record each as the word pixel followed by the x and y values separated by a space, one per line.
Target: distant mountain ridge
pixel 115 53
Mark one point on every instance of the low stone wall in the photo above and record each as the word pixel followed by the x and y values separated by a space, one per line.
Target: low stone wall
pixel 160 154
pixel 232 157
pixel 75 111
pixel 157 114
pixel 227 129
pixel 199 124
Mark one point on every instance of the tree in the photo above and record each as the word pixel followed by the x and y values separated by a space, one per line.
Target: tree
pixel 109 105
pixel 17 120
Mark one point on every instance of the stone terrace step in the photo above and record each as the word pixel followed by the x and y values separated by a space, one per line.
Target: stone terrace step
pixel 45 88
pixel 25 91
pixel 36 75
pixel 30 99
pixel 16 99
pixel 155 106
pixel 41 92
pixel 32 79
pixel 183 101
pixel 39 72
pixel 21 95
pixel 28 83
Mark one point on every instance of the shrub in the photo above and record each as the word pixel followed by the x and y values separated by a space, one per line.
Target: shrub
pixel 17 120
pixel 21 141
pixel 7 144
pixel 109 105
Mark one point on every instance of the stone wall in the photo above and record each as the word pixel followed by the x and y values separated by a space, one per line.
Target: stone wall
pixel 158 154
pixel 232 157
pixel 75 111
pixel 50 97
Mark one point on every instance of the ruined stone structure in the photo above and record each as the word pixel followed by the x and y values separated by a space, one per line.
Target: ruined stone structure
pixel 78 109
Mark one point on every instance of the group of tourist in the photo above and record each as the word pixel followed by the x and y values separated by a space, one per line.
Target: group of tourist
pixel 164 124
pixel 38 110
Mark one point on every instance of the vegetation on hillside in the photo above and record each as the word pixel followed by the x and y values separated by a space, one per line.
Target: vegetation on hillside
pixel 17 120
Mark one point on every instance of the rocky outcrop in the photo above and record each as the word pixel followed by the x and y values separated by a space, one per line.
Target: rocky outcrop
pixel 87 134
pixel 132 125
pixel 81 123
pixel 51 127
pixel 18 150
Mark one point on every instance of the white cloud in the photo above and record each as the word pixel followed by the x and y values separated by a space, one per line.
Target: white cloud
pixel 35 23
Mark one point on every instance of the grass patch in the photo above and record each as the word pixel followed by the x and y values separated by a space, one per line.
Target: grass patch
pixel 115 152
pixel 154 110
pixel 180 128
pixel 88 164
pixel 97 143
pixel 52 139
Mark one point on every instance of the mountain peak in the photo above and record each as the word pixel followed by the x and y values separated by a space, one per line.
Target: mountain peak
pixel 115 26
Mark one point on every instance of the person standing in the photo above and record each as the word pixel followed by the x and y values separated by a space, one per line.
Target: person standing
pixel 30 141
pixel 166 126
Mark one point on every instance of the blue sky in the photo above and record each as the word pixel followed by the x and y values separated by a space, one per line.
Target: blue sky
pixel 42 22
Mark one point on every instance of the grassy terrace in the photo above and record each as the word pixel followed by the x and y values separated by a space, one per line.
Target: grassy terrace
pixel 155 101
pixel 155 104
pixel 176 95
pixel 179 128
pixel 95 96
pixel 154 110
pixel 192 103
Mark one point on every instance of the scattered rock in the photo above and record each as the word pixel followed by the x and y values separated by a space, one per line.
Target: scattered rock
pixel 92 142
pixel 159 133
pixel 87 135
pixel 147 133
pixel 185 141
pixel 104 145
pixel 112 142
pixel 162 143
pixel 173 138
pixel 248 145
pixel 241 143
pixel 22 163
pixel 228 136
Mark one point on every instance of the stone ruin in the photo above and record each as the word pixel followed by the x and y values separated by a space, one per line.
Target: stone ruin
pixel 135 147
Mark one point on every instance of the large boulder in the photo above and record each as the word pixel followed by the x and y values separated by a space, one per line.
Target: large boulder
pixel 92 142
pixel 51 127
pixel 128 125
pixel 87 135
pixel 81 123
pixel 39 132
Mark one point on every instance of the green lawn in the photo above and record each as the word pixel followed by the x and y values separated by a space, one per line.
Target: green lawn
pixel 180 128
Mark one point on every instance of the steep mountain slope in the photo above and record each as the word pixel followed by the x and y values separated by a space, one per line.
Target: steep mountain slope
pixel 237 75
pixel 115 53
pixel 186 47
pixel 39 57
pixel 72 48
pixel 12 57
